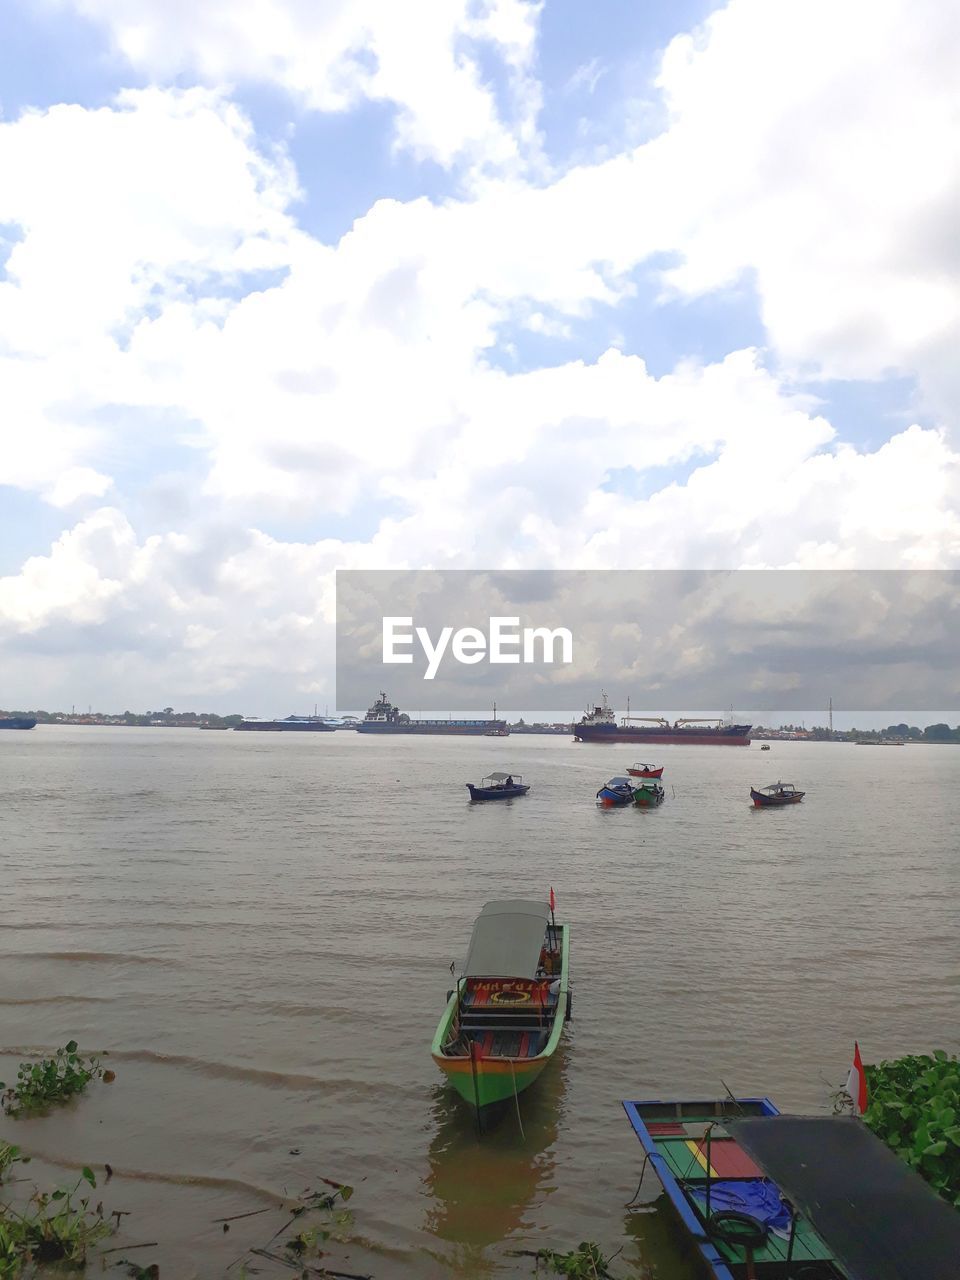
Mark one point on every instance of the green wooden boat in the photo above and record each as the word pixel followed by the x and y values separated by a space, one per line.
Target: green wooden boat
pixel 649 794
pixel 504 1018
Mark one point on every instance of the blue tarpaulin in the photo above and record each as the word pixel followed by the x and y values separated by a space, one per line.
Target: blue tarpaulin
pixel 754 1196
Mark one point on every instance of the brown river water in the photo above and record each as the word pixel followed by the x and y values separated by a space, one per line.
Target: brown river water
pixel 258 929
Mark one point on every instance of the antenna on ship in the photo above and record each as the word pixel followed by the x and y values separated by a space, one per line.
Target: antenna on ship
pixel 830 713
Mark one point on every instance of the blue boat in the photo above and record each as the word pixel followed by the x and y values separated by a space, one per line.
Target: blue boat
pixel 498 786
pixel 17 722
pixel 765 1196
pixel 617 791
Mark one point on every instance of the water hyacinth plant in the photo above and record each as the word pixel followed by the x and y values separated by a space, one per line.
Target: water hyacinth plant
pixel 914 1106
pixel 57 1227
pixel 51 1081
pixel 10 1155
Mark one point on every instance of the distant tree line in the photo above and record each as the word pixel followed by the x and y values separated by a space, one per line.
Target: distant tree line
pixel 188 719
pixel 908 732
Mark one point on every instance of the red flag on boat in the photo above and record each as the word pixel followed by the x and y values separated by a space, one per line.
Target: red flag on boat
pixel 856 1085
pixel 553 900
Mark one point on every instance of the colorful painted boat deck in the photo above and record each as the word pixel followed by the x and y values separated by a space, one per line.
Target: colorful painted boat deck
pixel 675 1137
pixel 821 1197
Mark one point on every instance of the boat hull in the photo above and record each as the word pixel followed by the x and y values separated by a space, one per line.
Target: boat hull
pixel 17 722
pixel 485 1082
pixel 613 799
pixel 775 802
pixel 441 728
pixel 496 793
pixel 495 1081
pixel 736 736
pixel 285 726
pixel 644 798
pixel 715 1263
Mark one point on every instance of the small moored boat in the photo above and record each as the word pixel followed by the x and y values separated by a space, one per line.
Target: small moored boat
pixel 765 1196
pixel 649 794
pixel 504 1019
pixel 645 771
pixel 498 786
pixel 765 746
pixel 616 791
pixel 776 794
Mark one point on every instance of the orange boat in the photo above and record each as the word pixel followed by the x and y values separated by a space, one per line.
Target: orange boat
pixel 645 771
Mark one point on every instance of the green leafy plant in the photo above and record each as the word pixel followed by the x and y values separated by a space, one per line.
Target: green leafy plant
pixel 914 1106
pixel 303 1248
pixel 51 1080
pixel 586 1262
pixel 56 1226
pixel 10 1155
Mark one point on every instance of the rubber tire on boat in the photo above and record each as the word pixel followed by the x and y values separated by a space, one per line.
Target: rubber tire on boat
pixel 738 1228
pixel 569 1005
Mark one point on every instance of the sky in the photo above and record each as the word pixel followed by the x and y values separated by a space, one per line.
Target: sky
pixel 292 286
pixel 762 646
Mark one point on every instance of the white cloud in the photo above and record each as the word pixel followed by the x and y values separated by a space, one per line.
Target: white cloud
pixel 816 144
pixel 160 268
pixel 422 57
pixel 123 212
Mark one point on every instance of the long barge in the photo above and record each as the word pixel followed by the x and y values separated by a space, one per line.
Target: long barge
pixel 599 724
pixel 383 717
pixel 292 724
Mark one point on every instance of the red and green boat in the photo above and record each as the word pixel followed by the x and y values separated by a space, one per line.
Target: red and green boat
pixel 505 1017
pixel 649 794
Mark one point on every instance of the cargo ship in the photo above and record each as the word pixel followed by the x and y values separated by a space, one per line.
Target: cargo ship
pixel 599 724
pixel 17 722
pixel 292 724
pixel 383 717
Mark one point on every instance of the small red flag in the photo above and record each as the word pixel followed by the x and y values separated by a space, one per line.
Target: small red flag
pixel 856 1085
pixel 553 900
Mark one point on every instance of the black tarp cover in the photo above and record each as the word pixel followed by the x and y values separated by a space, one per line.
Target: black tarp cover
pixel 876 1214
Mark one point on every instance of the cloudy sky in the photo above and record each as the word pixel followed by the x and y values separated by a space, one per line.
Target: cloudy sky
pixel 293 285
pixel 768 643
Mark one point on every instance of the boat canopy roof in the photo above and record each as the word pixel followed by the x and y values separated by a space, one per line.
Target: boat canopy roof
pixel 501 777
pixel 875 1213
pixel 507 939
pixel 779 786
pixel 621 782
